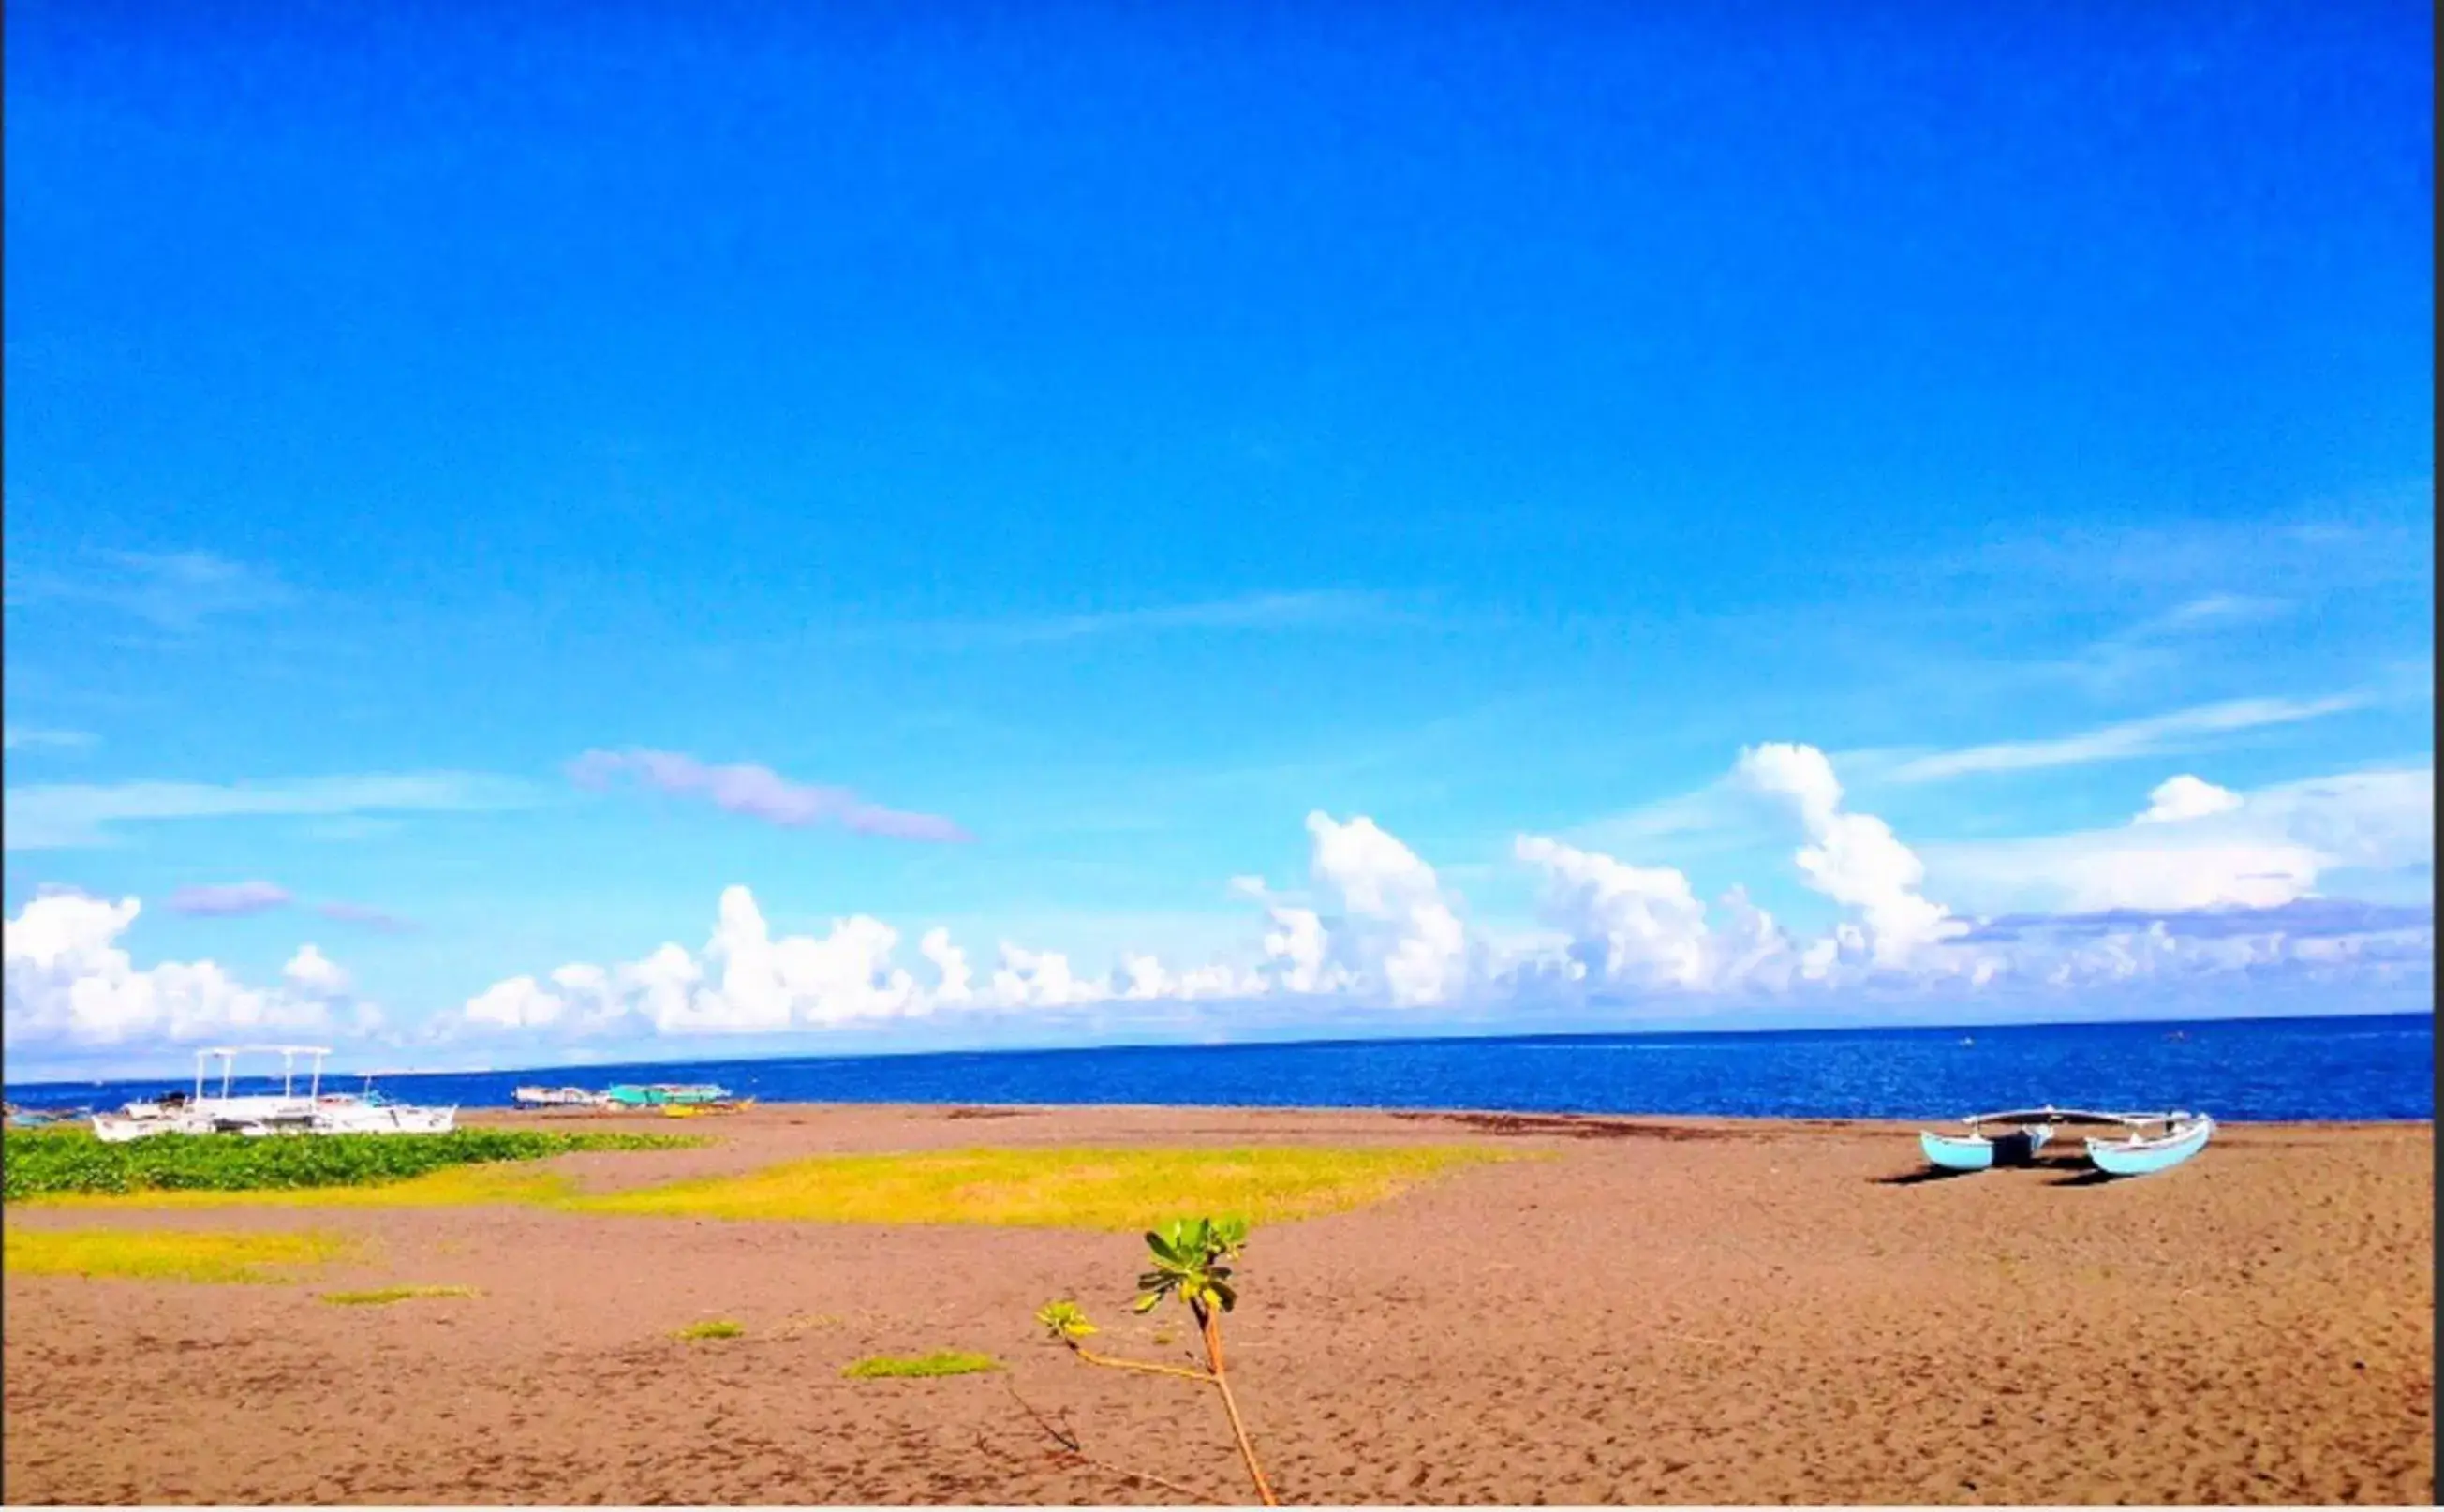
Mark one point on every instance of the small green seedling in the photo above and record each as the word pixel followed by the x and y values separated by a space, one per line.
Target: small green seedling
pixel 714 1328
pixel 1191 1264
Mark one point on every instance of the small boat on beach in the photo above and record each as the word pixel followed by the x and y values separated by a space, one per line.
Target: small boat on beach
pixel 559 1098
pixel 260 1115
pixel 668 1094
pixel 370 1111
pixel 2150 1141
pixel 697 1110
pixel 44 1117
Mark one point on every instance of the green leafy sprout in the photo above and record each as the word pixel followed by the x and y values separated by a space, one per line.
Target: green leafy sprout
pixel 1191 1263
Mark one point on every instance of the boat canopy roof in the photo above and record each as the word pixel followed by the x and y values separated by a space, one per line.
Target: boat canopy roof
pixel 263 1049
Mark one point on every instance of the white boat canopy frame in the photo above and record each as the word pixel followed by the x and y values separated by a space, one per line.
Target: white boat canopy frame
pixel 288 1054
pixel 2051 1114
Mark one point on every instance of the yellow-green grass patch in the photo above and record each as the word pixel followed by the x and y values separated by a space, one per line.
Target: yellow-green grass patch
pixel 1121 1189
pixel 451 1186
pixel 384 1296
pixel 1074 1187
pixel 712 1328
pixel 167 1254
pixel 941 1362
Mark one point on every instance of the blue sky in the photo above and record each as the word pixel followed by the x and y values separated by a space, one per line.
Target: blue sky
pixel 1112 439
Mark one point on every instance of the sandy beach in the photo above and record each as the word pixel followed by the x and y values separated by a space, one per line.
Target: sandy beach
pixel 1657 1311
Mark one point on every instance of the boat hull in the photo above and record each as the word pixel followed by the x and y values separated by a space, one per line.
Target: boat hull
pixel 557 1098
pixel 379 1117
pixel 1980 1153
pixel 120 1128
pixel 2145 1157
pixel 665 1096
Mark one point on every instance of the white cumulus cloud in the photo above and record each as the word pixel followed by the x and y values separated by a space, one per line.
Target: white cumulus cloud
pixel 315 974
pixel 1853 858
pixel 2200 881
pixel 951 974
pixel 69 982
pixel 746 980
pixel 1374 925
pixel 2186 797
pixel 2266 848
pixel 1637 925
pixel 1040 979
pixel 1395 931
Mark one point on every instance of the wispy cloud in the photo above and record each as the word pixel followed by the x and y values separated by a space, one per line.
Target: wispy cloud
pixel 2301 918
pixel 2157 644
pixel 2381 535
pixel 2175 731
pixel 1718 819
pixel 372 918
pixel 239 899
pixel 59 816
pixel 2212 612
pixel 760 793
pixel 20 737
pixel 1253 613
pixel 228 899
pixel 175 591
pixel 350 827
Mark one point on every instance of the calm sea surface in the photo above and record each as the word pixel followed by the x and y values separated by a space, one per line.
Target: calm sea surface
pixel 2292 1069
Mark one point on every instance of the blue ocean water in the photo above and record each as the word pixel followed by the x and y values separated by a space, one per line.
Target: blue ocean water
pixel 2268 1069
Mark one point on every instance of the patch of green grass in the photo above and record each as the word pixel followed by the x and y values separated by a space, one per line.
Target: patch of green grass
pixel 166 1254
pixel 1120 1188
pixel 941 1362
pixel 384 1296
pixel 715 1328
pixel 49 1165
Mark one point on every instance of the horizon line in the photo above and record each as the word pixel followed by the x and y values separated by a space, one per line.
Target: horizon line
pixel 1342 1042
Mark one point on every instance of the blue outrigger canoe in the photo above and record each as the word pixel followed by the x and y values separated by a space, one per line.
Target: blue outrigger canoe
pixel 2014 1137
pixel 1980 1151
pixel 667 1093
pixel 2185 1134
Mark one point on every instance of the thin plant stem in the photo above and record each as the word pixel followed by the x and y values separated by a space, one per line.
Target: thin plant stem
pixel 1074 1447
pixel 1211 1327
pixel 1093 1359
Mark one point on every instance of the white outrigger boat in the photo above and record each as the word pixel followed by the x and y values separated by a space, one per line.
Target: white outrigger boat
pixel 559 1098
pixel 2150 1141
pixel 284 1112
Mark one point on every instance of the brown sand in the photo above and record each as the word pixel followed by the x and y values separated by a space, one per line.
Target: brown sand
pixel 1670 1311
